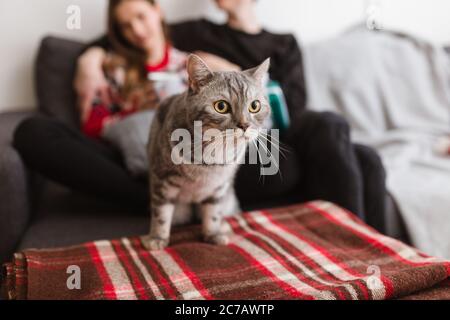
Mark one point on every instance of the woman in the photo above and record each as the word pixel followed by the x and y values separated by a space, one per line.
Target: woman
pixel 136 31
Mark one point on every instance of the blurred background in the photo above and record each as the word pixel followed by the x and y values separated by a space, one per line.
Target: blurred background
pixel 23 23
pixel 392 88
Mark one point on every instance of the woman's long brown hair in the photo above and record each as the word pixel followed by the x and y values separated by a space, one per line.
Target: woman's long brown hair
pixel 135 57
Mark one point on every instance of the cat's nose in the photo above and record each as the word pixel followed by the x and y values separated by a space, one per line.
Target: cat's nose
pixel 243 126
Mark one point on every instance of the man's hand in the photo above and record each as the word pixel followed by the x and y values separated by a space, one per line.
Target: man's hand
pixel 216 63
pixel 90 81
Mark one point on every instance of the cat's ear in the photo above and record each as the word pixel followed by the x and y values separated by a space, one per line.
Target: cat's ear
pixel 260 71
pixel 199 72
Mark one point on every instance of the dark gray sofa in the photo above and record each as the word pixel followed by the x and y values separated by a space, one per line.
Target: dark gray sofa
pixel 36 213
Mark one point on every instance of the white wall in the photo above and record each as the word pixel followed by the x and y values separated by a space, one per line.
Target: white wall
pixel 24 22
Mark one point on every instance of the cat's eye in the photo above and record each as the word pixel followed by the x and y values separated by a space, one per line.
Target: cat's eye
pixel 222 106
pixel 255 106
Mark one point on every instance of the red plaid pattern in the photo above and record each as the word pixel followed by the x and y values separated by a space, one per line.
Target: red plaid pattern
pixel 311 251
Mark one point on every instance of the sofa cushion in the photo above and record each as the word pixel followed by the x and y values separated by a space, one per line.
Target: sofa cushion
pixel 55 69
pixel 14 207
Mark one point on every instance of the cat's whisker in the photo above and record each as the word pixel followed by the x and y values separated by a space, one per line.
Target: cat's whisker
pixel 265 147
pixel 267 150
pixel 273 140
pixel 280 144
pixel 277 166
pixel 260 160
pixel 280 150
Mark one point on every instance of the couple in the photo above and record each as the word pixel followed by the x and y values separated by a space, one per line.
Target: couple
pixel 323 164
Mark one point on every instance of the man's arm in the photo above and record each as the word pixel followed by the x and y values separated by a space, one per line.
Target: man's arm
pixel 187 36
pixel 287 61
pixel 289 72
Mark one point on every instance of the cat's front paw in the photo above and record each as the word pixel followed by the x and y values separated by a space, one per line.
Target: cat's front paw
pixel 154 244
pixel 218 239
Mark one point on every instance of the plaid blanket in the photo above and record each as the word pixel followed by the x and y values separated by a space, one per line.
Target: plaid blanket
pixel 311 251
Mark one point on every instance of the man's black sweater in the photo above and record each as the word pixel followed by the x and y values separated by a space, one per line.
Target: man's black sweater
pixel 247 51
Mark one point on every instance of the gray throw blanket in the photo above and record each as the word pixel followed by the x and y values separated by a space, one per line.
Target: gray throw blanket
pixel 394 90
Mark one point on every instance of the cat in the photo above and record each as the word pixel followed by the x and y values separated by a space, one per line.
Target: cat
pixel 222 101
pixel 129 90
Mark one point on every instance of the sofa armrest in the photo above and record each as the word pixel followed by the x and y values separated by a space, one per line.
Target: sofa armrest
pixel 14 190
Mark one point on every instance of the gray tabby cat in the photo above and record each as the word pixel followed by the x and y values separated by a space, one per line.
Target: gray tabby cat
pixel 223 101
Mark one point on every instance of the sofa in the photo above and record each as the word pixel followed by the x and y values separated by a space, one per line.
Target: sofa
pixel 37 213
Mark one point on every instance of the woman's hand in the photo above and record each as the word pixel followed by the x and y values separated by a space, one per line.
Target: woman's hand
pixel 216 63
pixel 90 81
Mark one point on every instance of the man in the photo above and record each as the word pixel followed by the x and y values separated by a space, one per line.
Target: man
pixel 331 168
pixel 244 42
